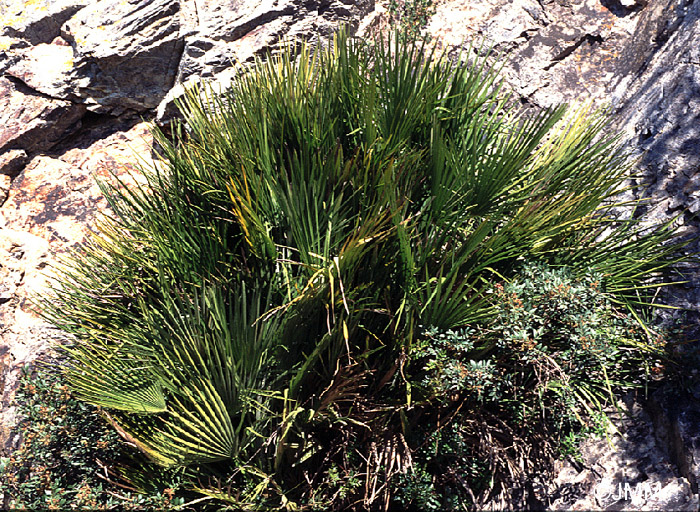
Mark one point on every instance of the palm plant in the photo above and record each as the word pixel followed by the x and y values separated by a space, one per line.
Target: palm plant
pixel 307 226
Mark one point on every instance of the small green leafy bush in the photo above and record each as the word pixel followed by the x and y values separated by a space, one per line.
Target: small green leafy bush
pixel 412 17
pixel 68 455
pixel 552 358
pixel 548 323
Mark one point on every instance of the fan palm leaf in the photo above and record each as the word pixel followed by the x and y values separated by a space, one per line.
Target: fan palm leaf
pixel 321 212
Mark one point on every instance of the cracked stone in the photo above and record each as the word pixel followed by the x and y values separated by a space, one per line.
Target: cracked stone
pixel 31 121
pixel 35 22
pixel 12 162
pixel 44 68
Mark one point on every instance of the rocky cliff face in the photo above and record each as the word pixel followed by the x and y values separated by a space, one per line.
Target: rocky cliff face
pixel 115 56
pixel 78 77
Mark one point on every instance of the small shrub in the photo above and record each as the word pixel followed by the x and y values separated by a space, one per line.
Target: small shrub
pixel 447 472
pixel 68 455
pixel 550 361
pixel 412 17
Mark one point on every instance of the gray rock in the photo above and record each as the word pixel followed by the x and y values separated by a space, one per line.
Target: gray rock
pixel 111 56
pixel 554 51
pixel 677 427
pixel 126 52
pixel 114 55
pixel 45 68
pixel 25 23
pixel 627 470
pixel 222 36
pixel 661 99
pixel 33 122
pixel 659 112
